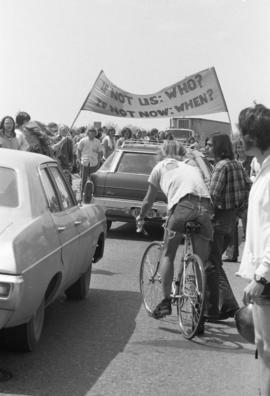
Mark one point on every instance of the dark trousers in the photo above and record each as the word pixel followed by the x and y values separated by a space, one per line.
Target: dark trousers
pixel 219 295
pixel 86 171
pixel 232 251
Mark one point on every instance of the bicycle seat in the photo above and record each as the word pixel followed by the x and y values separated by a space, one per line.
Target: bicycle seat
pixel 192 226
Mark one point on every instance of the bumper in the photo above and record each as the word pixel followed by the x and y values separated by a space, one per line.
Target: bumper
pixel 127 210
pixel 10 300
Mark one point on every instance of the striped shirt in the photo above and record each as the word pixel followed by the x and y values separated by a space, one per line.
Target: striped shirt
pixel 230 185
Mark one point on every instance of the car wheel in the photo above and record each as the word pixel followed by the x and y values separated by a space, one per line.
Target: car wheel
pixel 24 338
pixel 80 289
pixel 109 224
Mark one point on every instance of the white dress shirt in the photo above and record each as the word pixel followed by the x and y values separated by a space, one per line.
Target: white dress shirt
pixel 256 254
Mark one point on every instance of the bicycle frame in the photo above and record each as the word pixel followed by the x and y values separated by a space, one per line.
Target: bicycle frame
pixel 188 286
pixel 181 273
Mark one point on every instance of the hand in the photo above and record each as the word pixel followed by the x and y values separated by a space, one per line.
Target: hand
pixel 253 289
pixel 139 223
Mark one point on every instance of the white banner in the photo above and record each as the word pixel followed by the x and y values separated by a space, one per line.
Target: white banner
pixel 197 94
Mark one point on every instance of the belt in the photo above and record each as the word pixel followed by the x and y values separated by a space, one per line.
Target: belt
pixel 196 198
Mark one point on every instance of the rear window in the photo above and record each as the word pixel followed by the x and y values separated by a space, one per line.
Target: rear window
pixel 110 162
pixel 8 188
pixel 141 163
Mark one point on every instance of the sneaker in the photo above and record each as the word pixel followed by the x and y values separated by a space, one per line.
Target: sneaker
pixel 164 308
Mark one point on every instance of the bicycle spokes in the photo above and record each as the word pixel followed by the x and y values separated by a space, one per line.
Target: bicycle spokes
pixel 150 278
pixel 191 296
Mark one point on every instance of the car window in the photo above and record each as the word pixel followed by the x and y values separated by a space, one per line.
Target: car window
pixel 50 191
pixel 8 188
pixel 141 163
pixel 64 193
pixel 109 164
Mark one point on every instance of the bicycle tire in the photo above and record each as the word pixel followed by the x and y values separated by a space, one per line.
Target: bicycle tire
pixel 150 279
pixel 190 301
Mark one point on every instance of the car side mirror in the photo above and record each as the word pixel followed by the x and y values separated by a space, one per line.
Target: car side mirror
pixel 88 192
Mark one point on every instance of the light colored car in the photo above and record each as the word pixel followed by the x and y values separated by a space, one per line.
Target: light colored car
pixel 47 244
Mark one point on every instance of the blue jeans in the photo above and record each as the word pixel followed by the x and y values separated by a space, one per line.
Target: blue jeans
pixel 189 208
pixel 192 209
pixel 219 295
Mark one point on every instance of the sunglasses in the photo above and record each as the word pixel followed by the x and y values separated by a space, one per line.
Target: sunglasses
pixel 209 144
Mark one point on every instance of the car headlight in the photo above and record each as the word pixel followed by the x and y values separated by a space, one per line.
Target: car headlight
pixel 4 289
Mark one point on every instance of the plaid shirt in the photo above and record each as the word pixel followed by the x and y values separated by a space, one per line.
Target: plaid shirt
pixel 230 185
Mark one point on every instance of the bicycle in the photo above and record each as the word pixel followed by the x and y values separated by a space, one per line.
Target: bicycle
pixel 188 287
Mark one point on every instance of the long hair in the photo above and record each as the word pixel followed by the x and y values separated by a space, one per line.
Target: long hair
pixel 2 126
pixel 222 147
pixel 172 149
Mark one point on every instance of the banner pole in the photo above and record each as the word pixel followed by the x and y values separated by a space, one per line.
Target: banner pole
pixel 223 97
pixel 77 115
pixel 75 119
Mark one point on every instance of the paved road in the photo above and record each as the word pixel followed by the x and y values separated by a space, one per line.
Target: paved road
pixel 107 345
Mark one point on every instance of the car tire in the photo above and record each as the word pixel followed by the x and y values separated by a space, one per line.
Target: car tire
pixel 24 338
pixel 80 289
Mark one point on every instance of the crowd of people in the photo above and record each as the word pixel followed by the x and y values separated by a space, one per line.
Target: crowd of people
pixel 77 150
pixel 238 190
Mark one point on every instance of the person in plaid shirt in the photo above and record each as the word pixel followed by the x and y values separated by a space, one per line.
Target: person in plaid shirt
pixel 229 189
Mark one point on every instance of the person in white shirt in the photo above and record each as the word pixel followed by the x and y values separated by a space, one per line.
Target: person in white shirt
pixel 89 155
pixel 108 143
pixel 188 200
pixel 254 125
pixel 21 119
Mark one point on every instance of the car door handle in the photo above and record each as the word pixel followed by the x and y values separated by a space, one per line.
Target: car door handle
pixel 77 222
pixel 61 228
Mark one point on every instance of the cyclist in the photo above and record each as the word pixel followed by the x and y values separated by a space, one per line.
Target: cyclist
pixel 188 200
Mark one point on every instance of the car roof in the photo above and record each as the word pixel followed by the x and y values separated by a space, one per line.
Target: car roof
pixel 141 146
pixel 16 158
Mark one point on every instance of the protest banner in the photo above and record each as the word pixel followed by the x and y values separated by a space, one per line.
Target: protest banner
pixel 197 94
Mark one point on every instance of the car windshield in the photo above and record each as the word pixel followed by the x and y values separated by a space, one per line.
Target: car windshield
pixel 141 163
pixel 8 188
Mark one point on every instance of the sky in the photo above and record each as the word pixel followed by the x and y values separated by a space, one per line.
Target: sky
pixel 53 51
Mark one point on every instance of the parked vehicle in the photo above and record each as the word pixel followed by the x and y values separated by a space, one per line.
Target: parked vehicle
pixel 48 244
pixel 200 128
pixel 121 183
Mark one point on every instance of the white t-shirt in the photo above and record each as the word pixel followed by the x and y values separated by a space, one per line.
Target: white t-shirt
pixel 177 179
pixel 256 253
pixel 90 150
pixel 23 144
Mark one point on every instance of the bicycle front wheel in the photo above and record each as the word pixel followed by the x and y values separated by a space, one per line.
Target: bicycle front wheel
pixel 191 297
pixel 150 278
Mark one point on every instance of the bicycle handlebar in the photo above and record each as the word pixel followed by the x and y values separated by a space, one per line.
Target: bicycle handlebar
pixel 140 228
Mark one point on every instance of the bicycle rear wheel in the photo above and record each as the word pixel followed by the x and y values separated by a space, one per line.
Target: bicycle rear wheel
pixel 190 301
pixel 150 278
